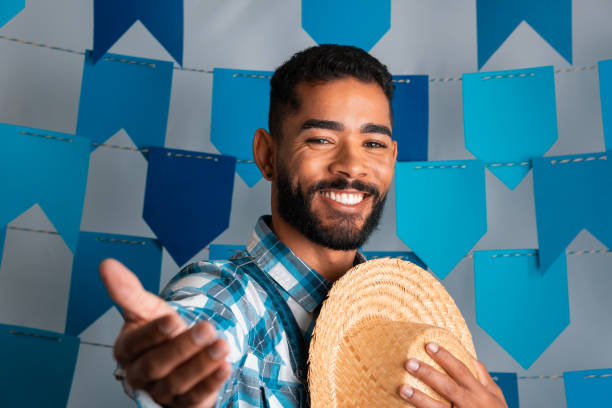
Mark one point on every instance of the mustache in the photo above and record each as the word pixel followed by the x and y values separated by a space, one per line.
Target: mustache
pixel 344 184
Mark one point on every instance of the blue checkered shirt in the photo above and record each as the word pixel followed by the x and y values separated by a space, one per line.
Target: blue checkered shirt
pixel 222 293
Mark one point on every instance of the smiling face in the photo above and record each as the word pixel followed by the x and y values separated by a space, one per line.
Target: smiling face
pixel 335 161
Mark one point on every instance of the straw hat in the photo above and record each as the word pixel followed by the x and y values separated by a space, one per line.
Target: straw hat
pixel 379 314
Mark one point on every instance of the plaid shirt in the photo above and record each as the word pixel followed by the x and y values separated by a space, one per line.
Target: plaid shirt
pixel 223 293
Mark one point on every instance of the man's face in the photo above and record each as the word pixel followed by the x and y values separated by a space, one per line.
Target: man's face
pixel 335 162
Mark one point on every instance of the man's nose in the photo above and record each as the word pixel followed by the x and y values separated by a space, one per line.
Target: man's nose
pixel 348 162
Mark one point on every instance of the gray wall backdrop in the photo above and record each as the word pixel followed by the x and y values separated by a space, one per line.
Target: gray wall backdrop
pixel 40 88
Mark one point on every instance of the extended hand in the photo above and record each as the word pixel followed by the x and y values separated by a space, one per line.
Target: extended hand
pixel 176 366
pixel 459 387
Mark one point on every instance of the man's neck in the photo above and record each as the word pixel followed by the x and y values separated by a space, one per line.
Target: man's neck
pixel 330 263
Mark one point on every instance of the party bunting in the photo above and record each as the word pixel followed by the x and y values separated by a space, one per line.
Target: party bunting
pixel 497 19
pixel 411 116
pixel 403 255
pixel 509 118
pixel 441 210
pixel 188 199
pixel 46 168
pixel 508 384
pixel 121 92
pixel 605 92
pixel 163 19
pixel 245 95
pixel 222 252
pixel 521 308
pixel 37 367
pixel 9 9
pixel 88 297
pixel 588 388
pixel 360 23
pixel 571 193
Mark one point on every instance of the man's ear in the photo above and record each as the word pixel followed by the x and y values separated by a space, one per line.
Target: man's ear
pixel 264 153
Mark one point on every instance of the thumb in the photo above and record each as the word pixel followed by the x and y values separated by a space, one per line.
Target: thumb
pixel 127 292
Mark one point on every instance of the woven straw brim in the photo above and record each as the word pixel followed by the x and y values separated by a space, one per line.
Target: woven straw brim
pixel 379 314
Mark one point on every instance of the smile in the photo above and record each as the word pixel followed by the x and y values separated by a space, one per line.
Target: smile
pixel 344 198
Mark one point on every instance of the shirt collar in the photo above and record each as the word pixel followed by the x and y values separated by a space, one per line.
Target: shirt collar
pixel 305 285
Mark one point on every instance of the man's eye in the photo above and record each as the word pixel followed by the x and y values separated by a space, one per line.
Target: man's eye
pixel 315 140
pixel 374 145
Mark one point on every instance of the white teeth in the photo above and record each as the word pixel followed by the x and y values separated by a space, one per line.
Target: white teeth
pixel 344 198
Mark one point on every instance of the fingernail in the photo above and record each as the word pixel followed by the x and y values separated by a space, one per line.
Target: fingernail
pixel 216 351
pixel 412 365
pixel 406 391
pixel 432 348
pixel 200 335
pixel 167 326
pixel 222 372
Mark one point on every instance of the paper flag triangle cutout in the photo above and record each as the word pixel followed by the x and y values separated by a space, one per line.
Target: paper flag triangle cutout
pixel 163 19
pixel 497 19
pixel 188 199
pixel 9 9
pixel 88 297
pixel 48 168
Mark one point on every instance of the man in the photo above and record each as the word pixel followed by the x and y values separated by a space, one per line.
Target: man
pixel 330 157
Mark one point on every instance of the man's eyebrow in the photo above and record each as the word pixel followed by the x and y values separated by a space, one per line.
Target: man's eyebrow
pixel 374 128
pixel 321 124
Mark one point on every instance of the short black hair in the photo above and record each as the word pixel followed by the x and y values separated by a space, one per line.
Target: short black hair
pixel 322 63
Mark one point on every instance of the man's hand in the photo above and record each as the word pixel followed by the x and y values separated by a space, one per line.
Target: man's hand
pixel 460 387
pixel 178 367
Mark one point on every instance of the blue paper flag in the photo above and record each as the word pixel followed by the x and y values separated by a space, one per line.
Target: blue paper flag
pixel 88 297
pixel 240 104
pixel 522 309
pixel 411 116
pixel 403 255
pixel 48 168
pixel 441 210
pixel 37 367
pixel 188 199
pixel 219 252
pixel 508 384
pixel 9 9
pixel 163 19
pixel 350 22
pixel 509 118
pixel 571 193
pixel 588 388
pixel 605 92
pixel 122 92
pixel 497 19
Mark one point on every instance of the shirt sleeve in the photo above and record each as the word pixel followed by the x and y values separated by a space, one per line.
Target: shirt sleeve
pixel 208 291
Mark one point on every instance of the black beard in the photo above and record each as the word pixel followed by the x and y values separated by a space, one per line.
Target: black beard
pixel 344 235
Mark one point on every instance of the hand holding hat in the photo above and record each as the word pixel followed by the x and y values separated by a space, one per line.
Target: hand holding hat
pixel 377 318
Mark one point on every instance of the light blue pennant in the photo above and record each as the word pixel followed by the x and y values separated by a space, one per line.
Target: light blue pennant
pixel 48 168
pixel 37 367
pixel 605 93
pixel 360 23
pixel 403 255
pixel 411 116
pixel 240 104
pixel 219 252
pixel 588 388
pixel 188 199
pixel 9 9
pixel 122 92
pixel 88 297
pixel 441 210
pixel 571 193
pixel 497 19
pixel 509 118
pixel 508 384
pixel 521 308
pixel 163 19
